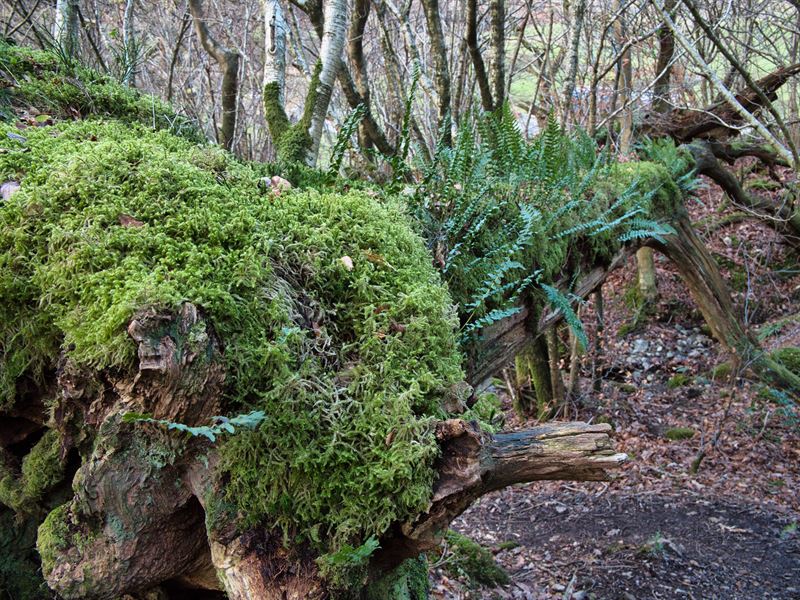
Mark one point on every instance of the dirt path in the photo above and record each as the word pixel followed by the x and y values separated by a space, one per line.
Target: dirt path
pixel 636 547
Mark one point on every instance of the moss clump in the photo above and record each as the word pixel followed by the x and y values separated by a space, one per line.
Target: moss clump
pixel 789 357
pixel 42 469
pixel 409 581
pixel 721 371
pixel 349 365
pixel 473 561
pixel 679 433
pixel 679 380
pixel 53 537
pixel 36 78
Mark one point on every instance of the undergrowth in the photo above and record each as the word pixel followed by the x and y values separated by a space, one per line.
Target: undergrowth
pixel 507 219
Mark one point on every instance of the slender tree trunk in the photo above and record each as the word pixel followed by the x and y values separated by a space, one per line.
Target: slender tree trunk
pixel 129 43
pixel 65 28
pixel 572 61
pixel 532 366
pixel 554 357
pixel 477 59
pixel 441 71
pixel 597 359
pixel 330 58
pixel 228 61
pixel 497 41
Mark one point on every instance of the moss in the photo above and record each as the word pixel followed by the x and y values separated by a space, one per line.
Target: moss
pixel 679 380
pixel 39 79
pixel 292 142
pixel 409 581
pixel 53 537
pixel 789 357
pixel 721 371
pixel 679 433
pixel 42 469
pixel 473 561
pixel 349 365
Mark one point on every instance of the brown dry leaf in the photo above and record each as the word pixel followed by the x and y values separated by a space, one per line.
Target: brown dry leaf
pixel 129 221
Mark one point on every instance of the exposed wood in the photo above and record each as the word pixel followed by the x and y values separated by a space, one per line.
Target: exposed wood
pixel 473 464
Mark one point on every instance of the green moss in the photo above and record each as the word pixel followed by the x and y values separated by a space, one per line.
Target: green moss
pixel 679 433
pixel 292 142
pixel 42 469
pixel 789 357
pixel 53 537
pixel 721 371
pixel 409 581
pixel 350 365
pixel 679 380
pixel 471 560
pixel 35 78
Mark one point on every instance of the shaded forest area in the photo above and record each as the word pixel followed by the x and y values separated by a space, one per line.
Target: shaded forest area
pixel 399 300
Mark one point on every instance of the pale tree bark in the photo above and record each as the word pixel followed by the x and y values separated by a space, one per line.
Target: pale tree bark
pixel 65 27
pixel 228 61
pixel 330 60
pixel 128 42
pixel 497 42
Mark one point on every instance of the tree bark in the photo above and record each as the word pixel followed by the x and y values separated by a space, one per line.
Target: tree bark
pixel 228 61
pixel 477 59
pixel 65 27
pixel 440 64
pixel 330 58
pixel 497 40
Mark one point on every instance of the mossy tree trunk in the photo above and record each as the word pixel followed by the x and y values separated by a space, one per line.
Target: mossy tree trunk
pixel 702 276
pixel 65 26
pixel 148 505
pixel 532 365
pixel 300 142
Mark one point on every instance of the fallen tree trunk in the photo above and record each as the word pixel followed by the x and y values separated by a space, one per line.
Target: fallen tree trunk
pixel 144 493
pixel 719 120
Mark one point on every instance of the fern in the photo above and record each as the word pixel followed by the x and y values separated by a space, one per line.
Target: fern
pixel 347 131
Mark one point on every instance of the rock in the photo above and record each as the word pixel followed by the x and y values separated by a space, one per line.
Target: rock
pixel 8 188
pixel 640 345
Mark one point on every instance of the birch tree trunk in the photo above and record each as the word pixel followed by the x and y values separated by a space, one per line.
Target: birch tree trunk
pixel 497 15
pixel 330 60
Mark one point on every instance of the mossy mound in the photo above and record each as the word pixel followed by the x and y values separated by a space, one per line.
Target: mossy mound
pixel 471 560
pixel 50 87
pixel 679 433
pixel 789 357
pixel 333 319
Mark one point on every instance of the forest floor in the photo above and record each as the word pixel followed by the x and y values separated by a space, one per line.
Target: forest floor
pixel 732 529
